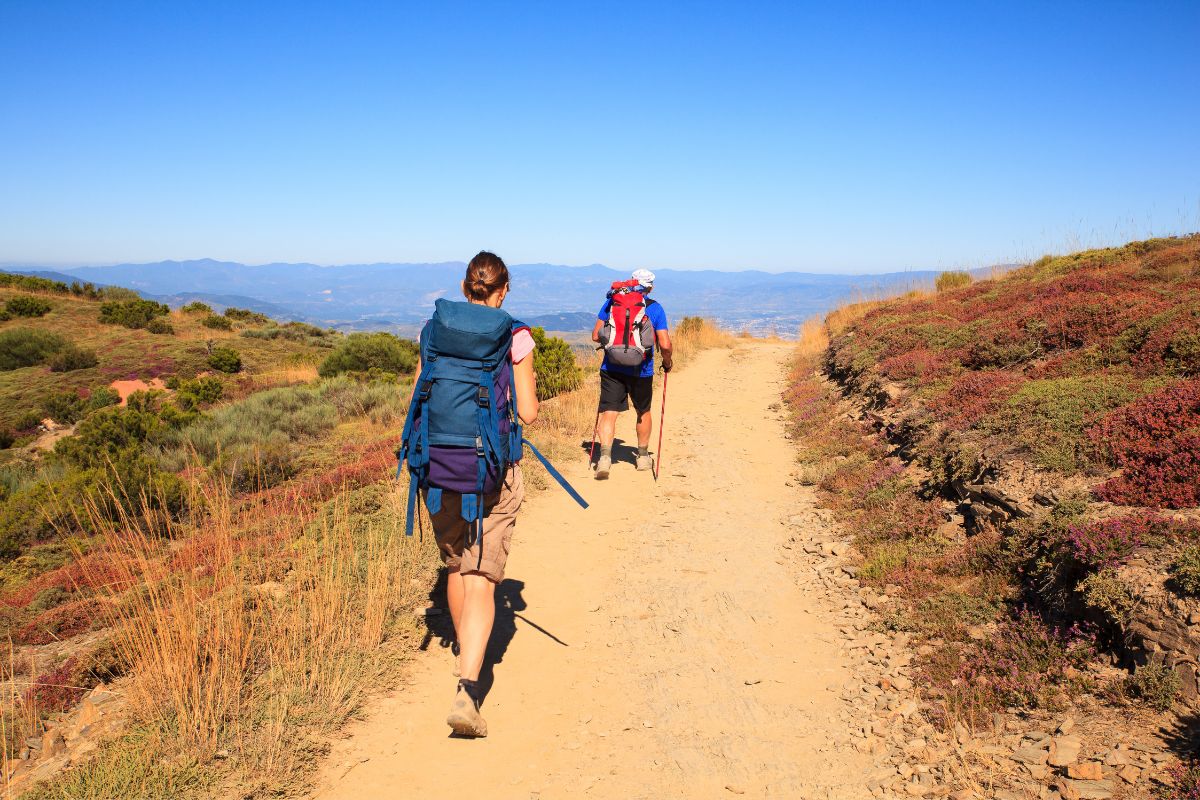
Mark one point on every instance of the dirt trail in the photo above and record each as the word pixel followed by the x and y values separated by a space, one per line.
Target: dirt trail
pixel 675 651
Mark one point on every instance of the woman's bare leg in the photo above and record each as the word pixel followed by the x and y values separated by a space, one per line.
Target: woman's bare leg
pixel 474 623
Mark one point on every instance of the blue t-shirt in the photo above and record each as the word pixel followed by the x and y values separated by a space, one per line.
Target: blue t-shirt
pixel 658 318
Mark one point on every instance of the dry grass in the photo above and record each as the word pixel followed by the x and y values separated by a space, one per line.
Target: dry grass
pixel 813 338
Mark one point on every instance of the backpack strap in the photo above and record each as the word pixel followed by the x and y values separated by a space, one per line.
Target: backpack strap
pixel 556 475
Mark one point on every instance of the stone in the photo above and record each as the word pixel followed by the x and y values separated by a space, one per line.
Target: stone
pixel 1116 757
pixel 89 714
pixel 964 794
pixel 1093 790
pixel 54 744
pixel 1129 773
pixel 1064 750
pixel 902 683
pixel 1030 755
pixel 1086 770
pixel 1066 726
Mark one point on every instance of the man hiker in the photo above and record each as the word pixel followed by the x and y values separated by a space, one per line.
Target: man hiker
pixel 628 327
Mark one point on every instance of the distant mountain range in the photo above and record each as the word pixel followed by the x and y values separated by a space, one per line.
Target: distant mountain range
pixel 400 296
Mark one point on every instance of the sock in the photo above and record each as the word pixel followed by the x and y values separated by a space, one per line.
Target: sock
pixel 606 452
pixel 643 451
pixel 473 690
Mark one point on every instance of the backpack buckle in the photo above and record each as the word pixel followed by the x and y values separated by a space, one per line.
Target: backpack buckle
pixel 426 386
pixel 479 446
pixel 483 397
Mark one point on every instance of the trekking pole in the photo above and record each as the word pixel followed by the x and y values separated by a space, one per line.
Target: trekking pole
pixel 662 414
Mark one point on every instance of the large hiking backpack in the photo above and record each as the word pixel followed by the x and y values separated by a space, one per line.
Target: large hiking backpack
pixel 628 333
pixel 462 430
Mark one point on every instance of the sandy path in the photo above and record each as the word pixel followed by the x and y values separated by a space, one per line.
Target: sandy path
pixel 671 649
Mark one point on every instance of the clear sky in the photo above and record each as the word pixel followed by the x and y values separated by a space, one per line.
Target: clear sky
pixel 821 137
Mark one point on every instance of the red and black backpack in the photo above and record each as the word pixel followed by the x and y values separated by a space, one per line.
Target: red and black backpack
pixel 628 333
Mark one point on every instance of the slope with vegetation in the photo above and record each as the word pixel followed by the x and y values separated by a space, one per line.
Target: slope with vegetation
pixel 1030 504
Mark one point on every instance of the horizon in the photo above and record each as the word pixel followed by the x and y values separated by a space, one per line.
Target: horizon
pixel 783 138
pixel 20 266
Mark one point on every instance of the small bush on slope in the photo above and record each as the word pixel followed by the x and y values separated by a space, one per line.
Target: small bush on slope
pixel 555 365
pixel 132 313
pixel 363 352
pixel 27 306
pixel 27 347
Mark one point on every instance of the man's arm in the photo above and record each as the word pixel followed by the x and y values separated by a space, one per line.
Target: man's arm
pixel 599 326
pixel 663 339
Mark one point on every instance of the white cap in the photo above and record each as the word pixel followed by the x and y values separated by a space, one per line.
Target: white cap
pixel 644 276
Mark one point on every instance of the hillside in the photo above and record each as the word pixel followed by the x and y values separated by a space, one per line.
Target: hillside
pixel 393 296
pixel 1019 460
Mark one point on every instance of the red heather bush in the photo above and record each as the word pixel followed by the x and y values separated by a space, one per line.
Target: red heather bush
pixel 1025 664
pixel 922 363
pixel 1109 542
pixel 62 622
pixel 973 396
pixel 61 688
pixel 89 572
pixel 1185 780
pixel 1156 442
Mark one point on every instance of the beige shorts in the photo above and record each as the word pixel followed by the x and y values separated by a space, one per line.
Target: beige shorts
pixel 500 517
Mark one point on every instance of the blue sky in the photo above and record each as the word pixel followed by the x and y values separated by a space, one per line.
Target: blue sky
pixel 835 138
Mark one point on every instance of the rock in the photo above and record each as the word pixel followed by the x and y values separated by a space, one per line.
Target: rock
pixel 1030 755
pixel 1129 773
pixel 964 794
pixel 902 683
pixel 1086 770
pixel 54 744
pixel 1116 757
pixel 916 789
pixel 839 548
pixel 1092 790
pixel 1064 750
pixel 729 787
pixel 89 714
pixel 1066 726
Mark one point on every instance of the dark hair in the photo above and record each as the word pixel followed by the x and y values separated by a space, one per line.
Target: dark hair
pixel 486 275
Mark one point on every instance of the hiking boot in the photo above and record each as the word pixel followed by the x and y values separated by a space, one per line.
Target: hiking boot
pixel 464 718
pixel 603 466
pixel 644 463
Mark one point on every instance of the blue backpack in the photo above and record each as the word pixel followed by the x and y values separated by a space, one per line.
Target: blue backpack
pixel 463 430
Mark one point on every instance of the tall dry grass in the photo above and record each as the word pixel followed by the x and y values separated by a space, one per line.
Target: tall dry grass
pixel 252 635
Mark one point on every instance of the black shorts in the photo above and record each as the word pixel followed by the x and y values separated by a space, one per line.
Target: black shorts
pixel 615 388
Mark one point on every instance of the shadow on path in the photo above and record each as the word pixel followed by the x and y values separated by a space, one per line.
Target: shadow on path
pixel 621 452
pixel 509 603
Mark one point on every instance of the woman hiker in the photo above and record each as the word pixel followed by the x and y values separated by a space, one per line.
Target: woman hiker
pixel 476 569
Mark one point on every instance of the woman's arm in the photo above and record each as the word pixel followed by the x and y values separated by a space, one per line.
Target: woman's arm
pixel 526 386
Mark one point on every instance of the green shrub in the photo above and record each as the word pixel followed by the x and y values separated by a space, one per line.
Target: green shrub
pixel 7 437
pixel 132 313
pixel 69 406
pixel 71 358
pixel 119 294
pixel 1185 571
pixel 196 307
pixel 1049 417
pixel 25 305
pixel 246 315
pixel 555 366
pixel 161 326
pixel 217 323
pixel 952 280
pixel 1155 684
pixel 1106 592
pixel 225 359
pixel 26 347
pixel 4 315
pixel 193 393
pixel 361 352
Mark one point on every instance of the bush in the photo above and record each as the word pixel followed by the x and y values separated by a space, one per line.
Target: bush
pixel 217 323
pixel 160 325
pixel 132 313
pixel 27 306
pixel 246 315
pixel 361 352
pixel 1185 782
pixel 7 437
pixel 1155 684
pixel 68 406
pixel 191 394
pixel 555 366
pixel 1155 442
pixel 1185 571
pixel 225 359
pixel 71 358
pixel 196 307
pixel 26 347
pixel 952 280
